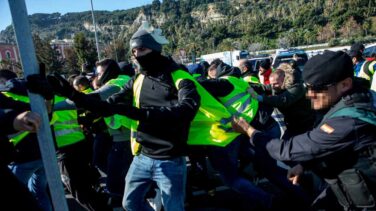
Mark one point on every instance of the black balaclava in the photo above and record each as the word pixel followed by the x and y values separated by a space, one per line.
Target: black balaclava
pixel 152 63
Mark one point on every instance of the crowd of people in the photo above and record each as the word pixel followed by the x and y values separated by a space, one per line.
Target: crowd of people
pixel 310 133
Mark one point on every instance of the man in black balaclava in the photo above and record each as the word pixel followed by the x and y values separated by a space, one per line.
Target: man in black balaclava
pixel 163 113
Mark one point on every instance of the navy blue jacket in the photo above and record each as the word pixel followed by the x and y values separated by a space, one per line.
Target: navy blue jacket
pixel 333 141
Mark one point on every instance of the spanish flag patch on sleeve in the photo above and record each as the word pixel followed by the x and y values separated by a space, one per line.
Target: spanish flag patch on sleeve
pixel 327 128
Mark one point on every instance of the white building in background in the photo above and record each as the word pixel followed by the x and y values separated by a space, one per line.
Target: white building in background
pixel 60 45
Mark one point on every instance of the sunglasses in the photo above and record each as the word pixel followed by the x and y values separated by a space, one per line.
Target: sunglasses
pixel 318 88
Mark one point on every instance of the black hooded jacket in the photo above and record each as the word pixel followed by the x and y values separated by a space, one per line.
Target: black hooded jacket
pixel 165 112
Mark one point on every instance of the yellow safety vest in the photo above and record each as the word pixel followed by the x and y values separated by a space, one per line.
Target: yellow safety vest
pixel 66 127
pixel 116 121
pixel 87 91
pixel 239 102
pixel 367 70
pixel 207 127
pixel 17 137
pixel 251 79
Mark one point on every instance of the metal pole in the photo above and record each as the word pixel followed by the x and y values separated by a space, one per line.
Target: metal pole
pixel 113 38
pixel 30 66
pixel 95 29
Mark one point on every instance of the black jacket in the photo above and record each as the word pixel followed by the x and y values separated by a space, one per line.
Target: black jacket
pixel 27 149
pixel 330 147
pixel 296 108
pixel 165 112
pixel 6 127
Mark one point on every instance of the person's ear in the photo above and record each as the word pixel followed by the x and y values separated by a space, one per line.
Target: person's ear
pixel 346 84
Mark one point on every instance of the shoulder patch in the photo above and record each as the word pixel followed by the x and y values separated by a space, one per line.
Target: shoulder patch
pixel 327 128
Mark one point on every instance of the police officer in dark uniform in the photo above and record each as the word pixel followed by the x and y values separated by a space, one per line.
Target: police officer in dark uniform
pixel 341 148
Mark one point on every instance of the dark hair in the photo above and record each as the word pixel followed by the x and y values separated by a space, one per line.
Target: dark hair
pixel 81 80
pixel 7 74
pixel 71 78
pixel 205 65
pixel 126 69
pixel 87 68
pixel 216 62
pixel 111 70
pixel 265 64
pixel 248 65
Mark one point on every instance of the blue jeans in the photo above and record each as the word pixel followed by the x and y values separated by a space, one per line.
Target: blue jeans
pixel 169 175
pixel 32 174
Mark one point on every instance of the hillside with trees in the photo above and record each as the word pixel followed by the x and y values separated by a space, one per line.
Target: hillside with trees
pixel 206 26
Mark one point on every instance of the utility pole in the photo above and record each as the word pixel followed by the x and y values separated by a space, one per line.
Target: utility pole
pixel 30 66
pixel 114 41
pixel 95 29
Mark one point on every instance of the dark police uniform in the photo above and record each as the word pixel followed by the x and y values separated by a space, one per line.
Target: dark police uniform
pixel 341 148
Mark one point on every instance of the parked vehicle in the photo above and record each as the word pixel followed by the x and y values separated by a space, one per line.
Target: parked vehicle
pixel 369 50
pixel 256 61
pixel 287 55
pixel 231 58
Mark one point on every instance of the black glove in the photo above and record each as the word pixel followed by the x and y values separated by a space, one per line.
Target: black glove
pixel 37 83
pixel 61 86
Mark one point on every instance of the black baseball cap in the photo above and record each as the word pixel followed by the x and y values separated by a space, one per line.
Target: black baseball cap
pixel 328 68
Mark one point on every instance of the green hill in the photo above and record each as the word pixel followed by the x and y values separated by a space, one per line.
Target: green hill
pixel 206 26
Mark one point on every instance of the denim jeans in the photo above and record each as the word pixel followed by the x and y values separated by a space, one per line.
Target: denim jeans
pixel 32 174
pixel 169 175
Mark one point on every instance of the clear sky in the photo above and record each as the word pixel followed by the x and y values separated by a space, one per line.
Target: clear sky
pixel 64 6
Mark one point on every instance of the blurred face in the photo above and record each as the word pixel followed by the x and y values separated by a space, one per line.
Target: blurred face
pixel 140 51
pixel 262 70
pixel 276 82
pixel 324 97
pixel 3 81
pixel 242 67
pixel 212 72
pixel 100 71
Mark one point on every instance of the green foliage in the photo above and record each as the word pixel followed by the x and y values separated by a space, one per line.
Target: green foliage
pixel 47 54
pixel 84 49
pixel 204 26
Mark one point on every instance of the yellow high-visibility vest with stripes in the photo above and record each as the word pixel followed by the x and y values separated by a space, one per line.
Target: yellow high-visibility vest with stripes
pixel 367 70
pixel 207 127
pixel 239 102
pixel 17 137
pixel 116 121
pixel 66 127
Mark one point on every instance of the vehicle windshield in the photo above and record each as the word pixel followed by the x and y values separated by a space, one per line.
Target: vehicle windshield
pixel 302 59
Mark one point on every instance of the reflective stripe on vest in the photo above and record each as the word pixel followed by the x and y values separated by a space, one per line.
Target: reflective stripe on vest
pixel 17 97
pixel 239 102
pixel 66 127
pixel 17 137
pixel 116 121
pixel 206 127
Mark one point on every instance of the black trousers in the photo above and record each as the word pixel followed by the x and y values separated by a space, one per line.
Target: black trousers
pixel 77 174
